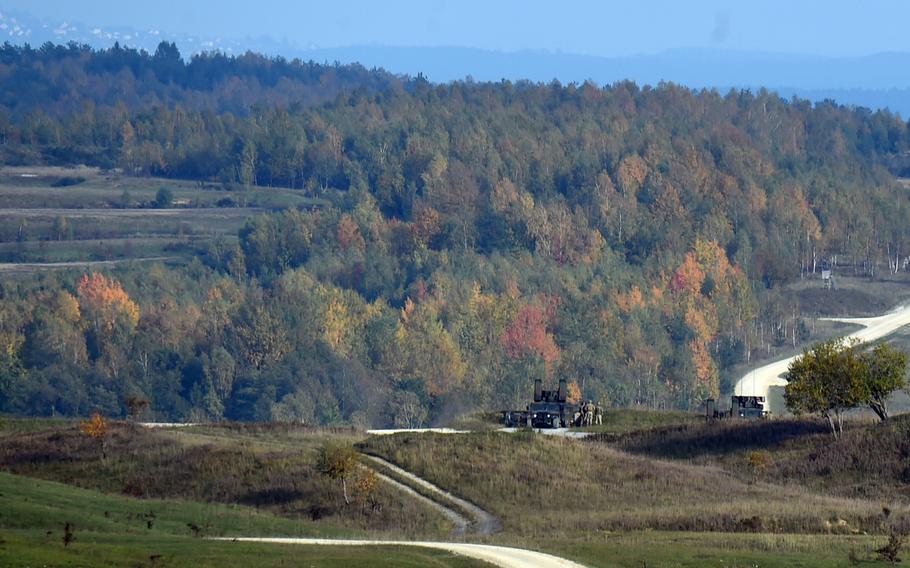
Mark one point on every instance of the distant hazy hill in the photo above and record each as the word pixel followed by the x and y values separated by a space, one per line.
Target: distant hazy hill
pixel 873 81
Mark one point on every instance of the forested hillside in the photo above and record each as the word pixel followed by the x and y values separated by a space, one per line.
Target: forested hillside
pixel 631 239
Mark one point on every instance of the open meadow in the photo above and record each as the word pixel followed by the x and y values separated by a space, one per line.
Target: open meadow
pixel 55 214
pixel 619 498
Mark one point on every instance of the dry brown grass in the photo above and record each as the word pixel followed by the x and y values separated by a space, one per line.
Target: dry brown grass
pixel 870 461
pixel 545 486
pixel 270 469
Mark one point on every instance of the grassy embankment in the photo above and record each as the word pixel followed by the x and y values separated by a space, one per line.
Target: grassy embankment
pixel 587 500
pixel 634 494
pixel 119 531
pixel 545 487
pixel 870 461
pixel 270 468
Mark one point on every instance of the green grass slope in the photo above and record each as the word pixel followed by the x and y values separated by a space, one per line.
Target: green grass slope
pixel 119 531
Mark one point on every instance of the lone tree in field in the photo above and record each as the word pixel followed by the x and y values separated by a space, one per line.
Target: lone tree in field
pixel 837 375
pixel 338 460
pixel 96 428
pixel 164 198
pixel 135 407
pixel 885 369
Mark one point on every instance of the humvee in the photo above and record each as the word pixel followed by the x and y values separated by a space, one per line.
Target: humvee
pixel 549 410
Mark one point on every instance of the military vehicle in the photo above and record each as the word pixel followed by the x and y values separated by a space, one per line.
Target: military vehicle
pixel 550 409
pixel 749 407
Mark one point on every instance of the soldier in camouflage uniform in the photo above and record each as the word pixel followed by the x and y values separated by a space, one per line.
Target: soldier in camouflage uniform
pixel 589 413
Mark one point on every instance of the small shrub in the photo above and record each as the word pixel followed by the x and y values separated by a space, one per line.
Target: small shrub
pixel 164 198
pixel 891 551
pixel 68 181
pixel 365 485
pixel 753 524
pixel 68 534
pixel 759 460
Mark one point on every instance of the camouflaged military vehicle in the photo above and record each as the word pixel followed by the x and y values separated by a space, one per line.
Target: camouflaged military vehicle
pixel 549 410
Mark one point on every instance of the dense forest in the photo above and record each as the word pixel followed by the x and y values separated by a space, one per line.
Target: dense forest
pixel 476 236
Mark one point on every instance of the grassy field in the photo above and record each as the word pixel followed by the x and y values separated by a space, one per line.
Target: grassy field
pixel 617 421
pixel 113 531
pixel 853 296
pixel 119 531
pixel 104 249
pixel 619 499
pixel 272 469
pixel 50 215
pixel 656 549
pixel 87 188
pixel 543 486
pixel 868 462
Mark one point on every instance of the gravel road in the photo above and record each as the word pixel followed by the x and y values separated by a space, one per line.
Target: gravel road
pixel 212 212
pixel 36 266
pixel 483 523
pixel 503 556
pixel 758 381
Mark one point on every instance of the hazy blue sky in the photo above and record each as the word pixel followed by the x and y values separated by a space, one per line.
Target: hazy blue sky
pixel 830 27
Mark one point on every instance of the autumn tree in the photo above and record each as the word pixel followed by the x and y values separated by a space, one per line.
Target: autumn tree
pixel 366 486
pixel 337 460
pixel 108 312
pixel 261 335
pixel 425 351
pixel 96 429
pixel 527 335
pixel 574 393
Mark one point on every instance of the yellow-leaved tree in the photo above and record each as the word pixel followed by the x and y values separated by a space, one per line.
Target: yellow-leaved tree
pixel 109 316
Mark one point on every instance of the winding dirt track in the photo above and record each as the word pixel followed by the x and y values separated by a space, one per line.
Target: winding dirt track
pixel 503 556
pixel 758 381
pixel 460 521
pixel 483 522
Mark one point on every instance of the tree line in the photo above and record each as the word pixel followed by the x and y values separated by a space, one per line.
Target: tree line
pixel 631 239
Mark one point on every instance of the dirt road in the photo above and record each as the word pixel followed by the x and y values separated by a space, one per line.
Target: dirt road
pixel 503 556
pixel 758 381
pixel 459 521
pixel 198 212
pixel 483 523
pixel 36 266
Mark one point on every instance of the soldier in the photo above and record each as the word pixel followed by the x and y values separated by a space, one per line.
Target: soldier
pixel 598 415
pixel 589 413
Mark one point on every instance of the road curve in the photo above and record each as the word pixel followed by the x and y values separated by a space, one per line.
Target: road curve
pixel 758 381
pixel 459 521
pixel 483 523
pixel 503 556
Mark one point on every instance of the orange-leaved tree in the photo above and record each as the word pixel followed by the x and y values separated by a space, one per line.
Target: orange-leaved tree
pixel 527 335
pixel 106 309
pixel 104 302
pixel 96 429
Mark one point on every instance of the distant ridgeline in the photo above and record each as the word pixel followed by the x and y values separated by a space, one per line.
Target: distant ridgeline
pixel 480 235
